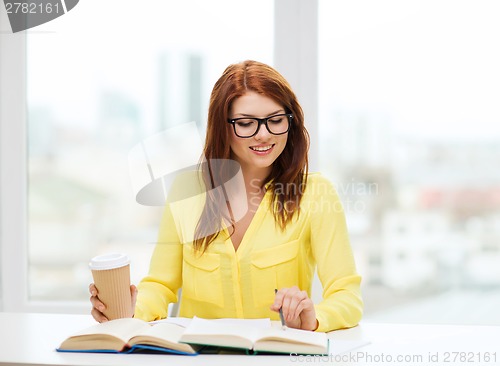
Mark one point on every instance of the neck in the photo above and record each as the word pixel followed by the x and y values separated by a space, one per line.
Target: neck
pixel 254 179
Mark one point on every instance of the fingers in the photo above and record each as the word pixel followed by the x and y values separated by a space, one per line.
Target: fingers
pixel 133 293
pixel 294 302
pixel 96 303
pixel 133 290
pixel 278 300
pixel 298 308
pixel 92 289
pixel 98 316
pixel 97 306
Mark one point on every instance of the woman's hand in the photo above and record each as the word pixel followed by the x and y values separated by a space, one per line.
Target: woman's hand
pixel 298 308
pixel 98 307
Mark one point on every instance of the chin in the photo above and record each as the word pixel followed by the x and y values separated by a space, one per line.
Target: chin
pixel 265 164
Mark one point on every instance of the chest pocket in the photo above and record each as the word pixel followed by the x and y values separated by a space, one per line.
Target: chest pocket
pixel 201 277
pixel 274 268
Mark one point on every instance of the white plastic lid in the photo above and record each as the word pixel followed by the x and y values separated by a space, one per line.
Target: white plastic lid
pixel 109 261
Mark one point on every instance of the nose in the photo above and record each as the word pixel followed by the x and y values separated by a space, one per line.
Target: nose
pixel 262 132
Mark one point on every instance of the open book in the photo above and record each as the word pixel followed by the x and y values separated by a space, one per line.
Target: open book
pixel 254 339
pixel 128 335
pixel 200 335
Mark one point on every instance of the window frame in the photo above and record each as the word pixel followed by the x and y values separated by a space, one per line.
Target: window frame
pixel 13 184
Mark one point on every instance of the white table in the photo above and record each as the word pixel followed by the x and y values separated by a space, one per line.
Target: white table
pixel 31 339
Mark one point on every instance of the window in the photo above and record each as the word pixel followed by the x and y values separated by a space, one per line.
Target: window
pixel 94 90
pixel 408 102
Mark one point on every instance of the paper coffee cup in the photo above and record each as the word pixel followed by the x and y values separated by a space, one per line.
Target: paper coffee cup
pixel 111 273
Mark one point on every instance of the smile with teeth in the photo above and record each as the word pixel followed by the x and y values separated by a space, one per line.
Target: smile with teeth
pixel 261 148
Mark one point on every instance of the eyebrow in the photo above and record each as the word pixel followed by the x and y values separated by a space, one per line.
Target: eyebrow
pixel 281 110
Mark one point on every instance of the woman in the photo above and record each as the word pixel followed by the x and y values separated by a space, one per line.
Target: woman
pixel 230 251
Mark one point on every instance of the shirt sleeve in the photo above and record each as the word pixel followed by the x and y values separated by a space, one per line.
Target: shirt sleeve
pixel 159 288
pixel 342 305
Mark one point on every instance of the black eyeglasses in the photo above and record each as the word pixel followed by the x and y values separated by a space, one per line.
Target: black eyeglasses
pixel 249 126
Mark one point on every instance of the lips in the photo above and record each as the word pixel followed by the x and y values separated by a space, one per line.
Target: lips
pixel 261 148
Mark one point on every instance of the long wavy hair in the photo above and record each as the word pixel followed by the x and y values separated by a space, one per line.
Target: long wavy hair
pixel 290 168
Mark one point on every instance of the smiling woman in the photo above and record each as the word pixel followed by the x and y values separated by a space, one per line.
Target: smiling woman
pixel 262 263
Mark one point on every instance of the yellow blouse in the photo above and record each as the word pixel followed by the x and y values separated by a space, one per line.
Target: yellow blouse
pixel 240 284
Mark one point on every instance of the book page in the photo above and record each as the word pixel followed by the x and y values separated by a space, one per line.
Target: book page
pixel 242 333
pixel 254 323
pixel 236 334
pixel 111 335
pixel 292 340
pixel 181 321
pixel 165 335
pixel 123 329
pixel 184 322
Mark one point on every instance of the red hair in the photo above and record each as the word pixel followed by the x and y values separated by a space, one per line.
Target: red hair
pixel 289 169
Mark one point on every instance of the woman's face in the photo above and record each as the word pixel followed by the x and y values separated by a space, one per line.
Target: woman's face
pixel 260 151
